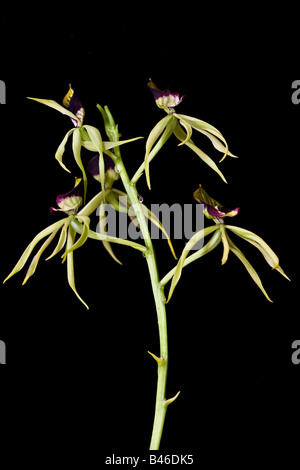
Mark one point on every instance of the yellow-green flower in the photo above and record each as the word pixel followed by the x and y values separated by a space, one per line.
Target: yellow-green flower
pixel 181 126
pixel 83 135
pixel 68 203
pixel 220 233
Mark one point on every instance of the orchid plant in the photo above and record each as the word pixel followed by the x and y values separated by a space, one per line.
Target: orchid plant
pixel 107 167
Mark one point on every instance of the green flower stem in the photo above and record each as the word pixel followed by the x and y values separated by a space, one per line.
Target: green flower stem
pixel 158 290
pixel 160 300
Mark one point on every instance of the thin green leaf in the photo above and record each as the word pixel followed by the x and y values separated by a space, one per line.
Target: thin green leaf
pixel 57 107
pixel 191 243
pixel 179 133
pixel 61 150
pixel 32 244
pixel 248 266
pixel 70 265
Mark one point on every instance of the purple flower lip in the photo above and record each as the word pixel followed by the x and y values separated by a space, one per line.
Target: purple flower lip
pixel 164 98
pixel 93 167
pixel 73 104
pixel 212 208
pixel 69 202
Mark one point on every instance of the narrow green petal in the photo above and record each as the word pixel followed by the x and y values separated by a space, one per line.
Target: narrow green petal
pixel 89 145
pixel 102 230
pixel 96 138
pixel 198 124
pixel 110 145
pixel 226 248
pixel 211 132
pixel 218 145
pixel 98 236
pixel 62 239
pixel 152 217
pixel 152 138
pixel 61 149
pixel 76 146
pixel 85 221
pixel 159 144
pixel 182 136
pixel 280 270
pixel 210 245
pixel 58 107
pixel 112 197
pixel 70 265
pixel 188 129
pixel 92 205
pixel 32 244
pixel 191 243
pixel 249 267
pixel 269 255
pixel 34 262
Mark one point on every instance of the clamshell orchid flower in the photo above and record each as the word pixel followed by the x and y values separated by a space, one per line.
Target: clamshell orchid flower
pixel 73 104
pixel 111 175
pixel 83 135
pixel 164 99
pixel 182 127
pixel 68 203
pixel 215 211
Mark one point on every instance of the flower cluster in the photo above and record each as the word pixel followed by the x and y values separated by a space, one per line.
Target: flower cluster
pixel 102 167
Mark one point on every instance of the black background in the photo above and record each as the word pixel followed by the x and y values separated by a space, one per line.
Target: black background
pixel 80 383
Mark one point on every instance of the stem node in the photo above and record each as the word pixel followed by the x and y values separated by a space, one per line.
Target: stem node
pixel 170 400
pixel 159 360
